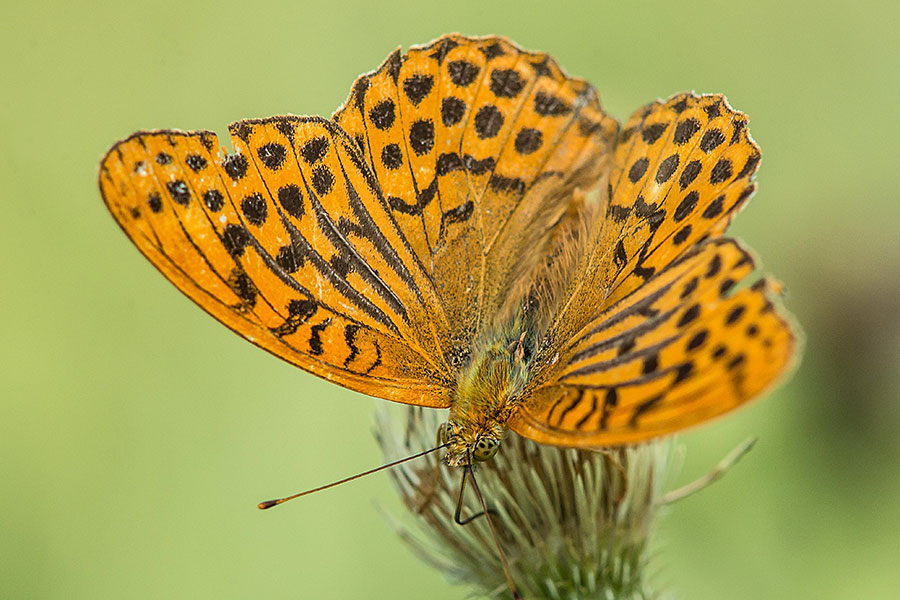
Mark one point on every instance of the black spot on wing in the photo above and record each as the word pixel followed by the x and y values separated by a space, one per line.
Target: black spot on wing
pixel 750 166
pixel 697 340
pixel 502 184
pixel 462 73
pixel 314 150
pixel 448 162
pixel 392 65
pixel 715 208
pixel 689 315
pixel 528 140
pixel 689 287
pixel 682 235
pixel 382 115
pixel 488 121
pixel 442 48
pixel 620 257
pixel 254 209
pixel 686 206
pixel 417 87
pixel 478 167
pixel 685 130
pixel 179 192
pixel 272 155
pixel 213 199
pixel 196 162
pixel 735 315
pixel 291 199
pixel 638 168
pixel 721 171
pixel 548 105
pixel 392 157
pixel 506 83
pixel 322 180
pixel 684 371
pixel 711 140
pixel 243 287
pixel 452 110
pixel 421 136
pixel 350 332
pixel 689 173
pixel 651 133
pixel 360 87
pixel 236 166
pixel 460 214
pixel 315 337
pixel 299 312
pixel 666 168
pixel 492 51
pixel 235 238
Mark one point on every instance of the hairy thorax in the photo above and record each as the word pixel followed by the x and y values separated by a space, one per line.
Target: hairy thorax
pixel 486 396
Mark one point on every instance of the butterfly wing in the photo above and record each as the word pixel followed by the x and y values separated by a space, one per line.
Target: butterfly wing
pixel 290 244
pixel 652 338
pixel 678 351
pixel 477 145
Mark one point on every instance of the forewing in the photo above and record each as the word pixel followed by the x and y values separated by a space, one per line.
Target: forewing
pixel 289 243
pixel 477 146
pixel 679 350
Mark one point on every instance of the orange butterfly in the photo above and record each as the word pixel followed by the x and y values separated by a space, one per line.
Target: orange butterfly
pixel 471 231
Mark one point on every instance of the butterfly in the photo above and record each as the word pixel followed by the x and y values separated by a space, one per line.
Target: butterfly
pixel 471 231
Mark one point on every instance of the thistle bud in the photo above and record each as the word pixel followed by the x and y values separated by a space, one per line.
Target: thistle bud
pixel 573 523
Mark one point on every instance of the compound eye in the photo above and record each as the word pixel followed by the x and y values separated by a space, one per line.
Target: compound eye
pixel 485 449
pixel 443 433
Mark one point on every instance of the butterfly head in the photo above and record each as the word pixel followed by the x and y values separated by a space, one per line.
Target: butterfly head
pixel 468 447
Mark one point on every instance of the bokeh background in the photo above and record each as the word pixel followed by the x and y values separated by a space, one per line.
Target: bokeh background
pixel 137 435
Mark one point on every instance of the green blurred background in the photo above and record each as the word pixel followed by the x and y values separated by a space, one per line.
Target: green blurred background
pixel 137 434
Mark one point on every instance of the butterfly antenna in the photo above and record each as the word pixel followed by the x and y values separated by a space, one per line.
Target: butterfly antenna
pixel 271 503
pixel 486 513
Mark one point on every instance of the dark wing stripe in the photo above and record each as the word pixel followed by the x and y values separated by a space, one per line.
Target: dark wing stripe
pixel 590 413
pixel 371 177
pixel 327 271
pixel 608 343
pixel 618 317
pixel 654 376
pixel 330 229
pixel 319 263
pixel 606 365
pixel 575 402
pixel 370 231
